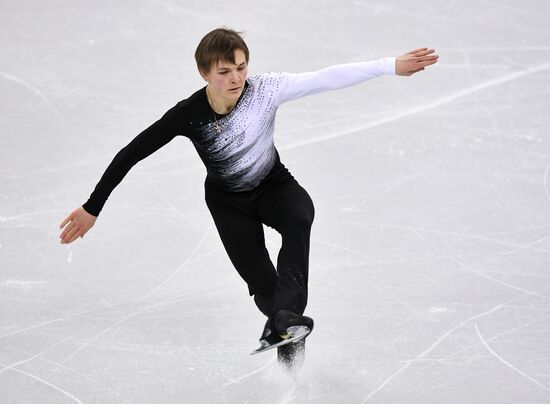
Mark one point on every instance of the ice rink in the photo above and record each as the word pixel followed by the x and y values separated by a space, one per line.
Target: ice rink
pixel 430 250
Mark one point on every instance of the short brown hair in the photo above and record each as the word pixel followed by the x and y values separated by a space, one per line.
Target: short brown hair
pixel 220 43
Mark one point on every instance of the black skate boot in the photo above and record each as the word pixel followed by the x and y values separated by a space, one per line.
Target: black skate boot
pixel 291 328
pixel 287 323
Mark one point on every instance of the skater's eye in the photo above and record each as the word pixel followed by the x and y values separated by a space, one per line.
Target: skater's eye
pixel 226 71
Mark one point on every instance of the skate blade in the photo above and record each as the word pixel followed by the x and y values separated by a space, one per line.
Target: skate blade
pixel 295 333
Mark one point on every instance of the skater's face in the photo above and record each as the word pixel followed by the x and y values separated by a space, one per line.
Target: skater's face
pixel 226 79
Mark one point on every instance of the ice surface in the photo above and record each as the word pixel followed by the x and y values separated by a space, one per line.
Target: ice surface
pixel 430 252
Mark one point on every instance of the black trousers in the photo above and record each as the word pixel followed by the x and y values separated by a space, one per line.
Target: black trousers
pixel 282 204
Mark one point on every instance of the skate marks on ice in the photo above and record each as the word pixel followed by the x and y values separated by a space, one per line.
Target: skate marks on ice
pixel 45 382
pixel 423 356
pixel 500 358
pixel 119 306
pixel 134 306
pixel 239 379
pixel 427 351
pixel 33 89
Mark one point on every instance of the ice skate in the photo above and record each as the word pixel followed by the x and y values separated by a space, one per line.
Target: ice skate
pixel 290 326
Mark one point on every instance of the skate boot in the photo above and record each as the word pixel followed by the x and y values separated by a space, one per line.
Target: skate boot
pixel 287 323
pixel 285 328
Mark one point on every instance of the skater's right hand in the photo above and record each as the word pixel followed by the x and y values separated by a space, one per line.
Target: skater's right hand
pixel 76 225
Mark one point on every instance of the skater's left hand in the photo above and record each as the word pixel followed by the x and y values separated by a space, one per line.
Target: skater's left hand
pixel 415 61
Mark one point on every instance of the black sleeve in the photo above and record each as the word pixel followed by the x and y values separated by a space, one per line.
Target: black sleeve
pixel 143 145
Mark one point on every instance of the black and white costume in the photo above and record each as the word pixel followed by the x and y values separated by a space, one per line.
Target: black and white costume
pixel 246 184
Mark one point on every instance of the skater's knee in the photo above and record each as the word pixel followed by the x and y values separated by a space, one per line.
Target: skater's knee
pixel 299 221
pixel 308 214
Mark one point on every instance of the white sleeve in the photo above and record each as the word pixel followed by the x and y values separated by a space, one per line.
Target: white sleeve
pixel 333 78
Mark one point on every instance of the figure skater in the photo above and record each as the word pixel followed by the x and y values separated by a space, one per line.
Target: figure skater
pixel 230 122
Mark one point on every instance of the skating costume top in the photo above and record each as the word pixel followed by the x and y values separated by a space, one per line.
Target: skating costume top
pixel 242 153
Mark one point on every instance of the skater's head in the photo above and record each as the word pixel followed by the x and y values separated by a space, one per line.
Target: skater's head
pixel 220 47
pixel 222 60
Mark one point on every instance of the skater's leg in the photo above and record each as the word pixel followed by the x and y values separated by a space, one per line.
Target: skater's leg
pixel 288 208
pixel 243 239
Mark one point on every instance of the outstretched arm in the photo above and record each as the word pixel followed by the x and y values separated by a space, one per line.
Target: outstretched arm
pixel 297 85
pixel 143 145
pixel 147 142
